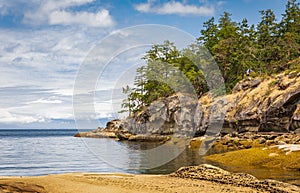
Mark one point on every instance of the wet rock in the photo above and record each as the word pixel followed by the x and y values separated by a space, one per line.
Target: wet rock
pixel 123 135
pixel 21 187
pixel 248 140
pixel 149 138
pixel 215 174
pixel 262 140
pixel 101 134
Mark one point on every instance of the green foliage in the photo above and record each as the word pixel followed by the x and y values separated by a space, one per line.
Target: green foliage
pixel 209 37
pixel 239 49
pixel 273 83
pixel 265 49
pixel 167 71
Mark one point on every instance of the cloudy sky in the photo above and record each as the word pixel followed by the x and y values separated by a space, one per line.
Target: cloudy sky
pixel 43 44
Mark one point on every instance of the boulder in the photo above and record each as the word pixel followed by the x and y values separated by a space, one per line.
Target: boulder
pixel 246 84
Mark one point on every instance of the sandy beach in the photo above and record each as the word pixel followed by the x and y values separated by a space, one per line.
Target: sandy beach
pixel 112 183
pixel 195 179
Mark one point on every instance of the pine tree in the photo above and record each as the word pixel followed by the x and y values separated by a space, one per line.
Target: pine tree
pixel 291 18
pixel 267 36
pixel 246 49
pixel 289 40
pixel 208 36
pixel 225 51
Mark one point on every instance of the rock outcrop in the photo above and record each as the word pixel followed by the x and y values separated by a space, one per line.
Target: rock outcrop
pixel 215 174
pixel 115 129
pixel 255 105
pixel 239 141
pixel 267 106
pixel 17 187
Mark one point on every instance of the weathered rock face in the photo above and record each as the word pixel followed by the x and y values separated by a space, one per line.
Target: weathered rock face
pixel 254 105
pixel 269 106
pixel 296 119
pixel 175 114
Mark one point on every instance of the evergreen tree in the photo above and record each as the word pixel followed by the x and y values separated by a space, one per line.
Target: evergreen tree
pixel 289 40
pixel 128 103
pixel 209 34
pixel 291 18
pixel 225 51
pixel 247 49
pixel 236 47
pixel 266 37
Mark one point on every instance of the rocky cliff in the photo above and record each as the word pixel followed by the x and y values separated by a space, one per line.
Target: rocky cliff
pixel 255 104
pixel 271 104
pixel 265 105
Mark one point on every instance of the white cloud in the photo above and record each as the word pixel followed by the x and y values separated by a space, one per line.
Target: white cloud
pixel 55 4
pixel 37 73
pixel 38 69
pixel 144 7
pixel 62 92
pixel 45 101
pixel 7 117
pixel 174 7
pixel 100 19
pixel 57 12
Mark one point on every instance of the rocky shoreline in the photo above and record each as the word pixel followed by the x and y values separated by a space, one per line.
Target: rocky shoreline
pixel 215 174
pixel 255 105
pixel 240 141
pixel 114 130
pixel 260 115
pixel 221 143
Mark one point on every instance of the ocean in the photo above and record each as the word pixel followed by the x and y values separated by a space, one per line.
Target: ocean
pixel 41 152
pixel 33 152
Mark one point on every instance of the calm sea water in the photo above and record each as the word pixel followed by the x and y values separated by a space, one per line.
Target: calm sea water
pixel 41 152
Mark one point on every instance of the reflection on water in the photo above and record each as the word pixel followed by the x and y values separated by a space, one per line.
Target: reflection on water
pixel 191 157
pixel 135 156
pixel 41 152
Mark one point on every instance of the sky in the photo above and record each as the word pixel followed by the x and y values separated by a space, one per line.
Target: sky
pixel 45 43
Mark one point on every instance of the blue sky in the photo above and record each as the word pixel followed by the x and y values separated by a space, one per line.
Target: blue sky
pixel 43 43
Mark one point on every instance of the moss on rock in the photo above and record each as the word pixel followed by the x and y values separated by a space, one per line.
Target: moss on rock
pixel 270 157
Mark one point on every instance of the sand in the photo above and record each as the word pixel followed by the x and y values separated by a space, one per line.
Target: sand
pixel 113 183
